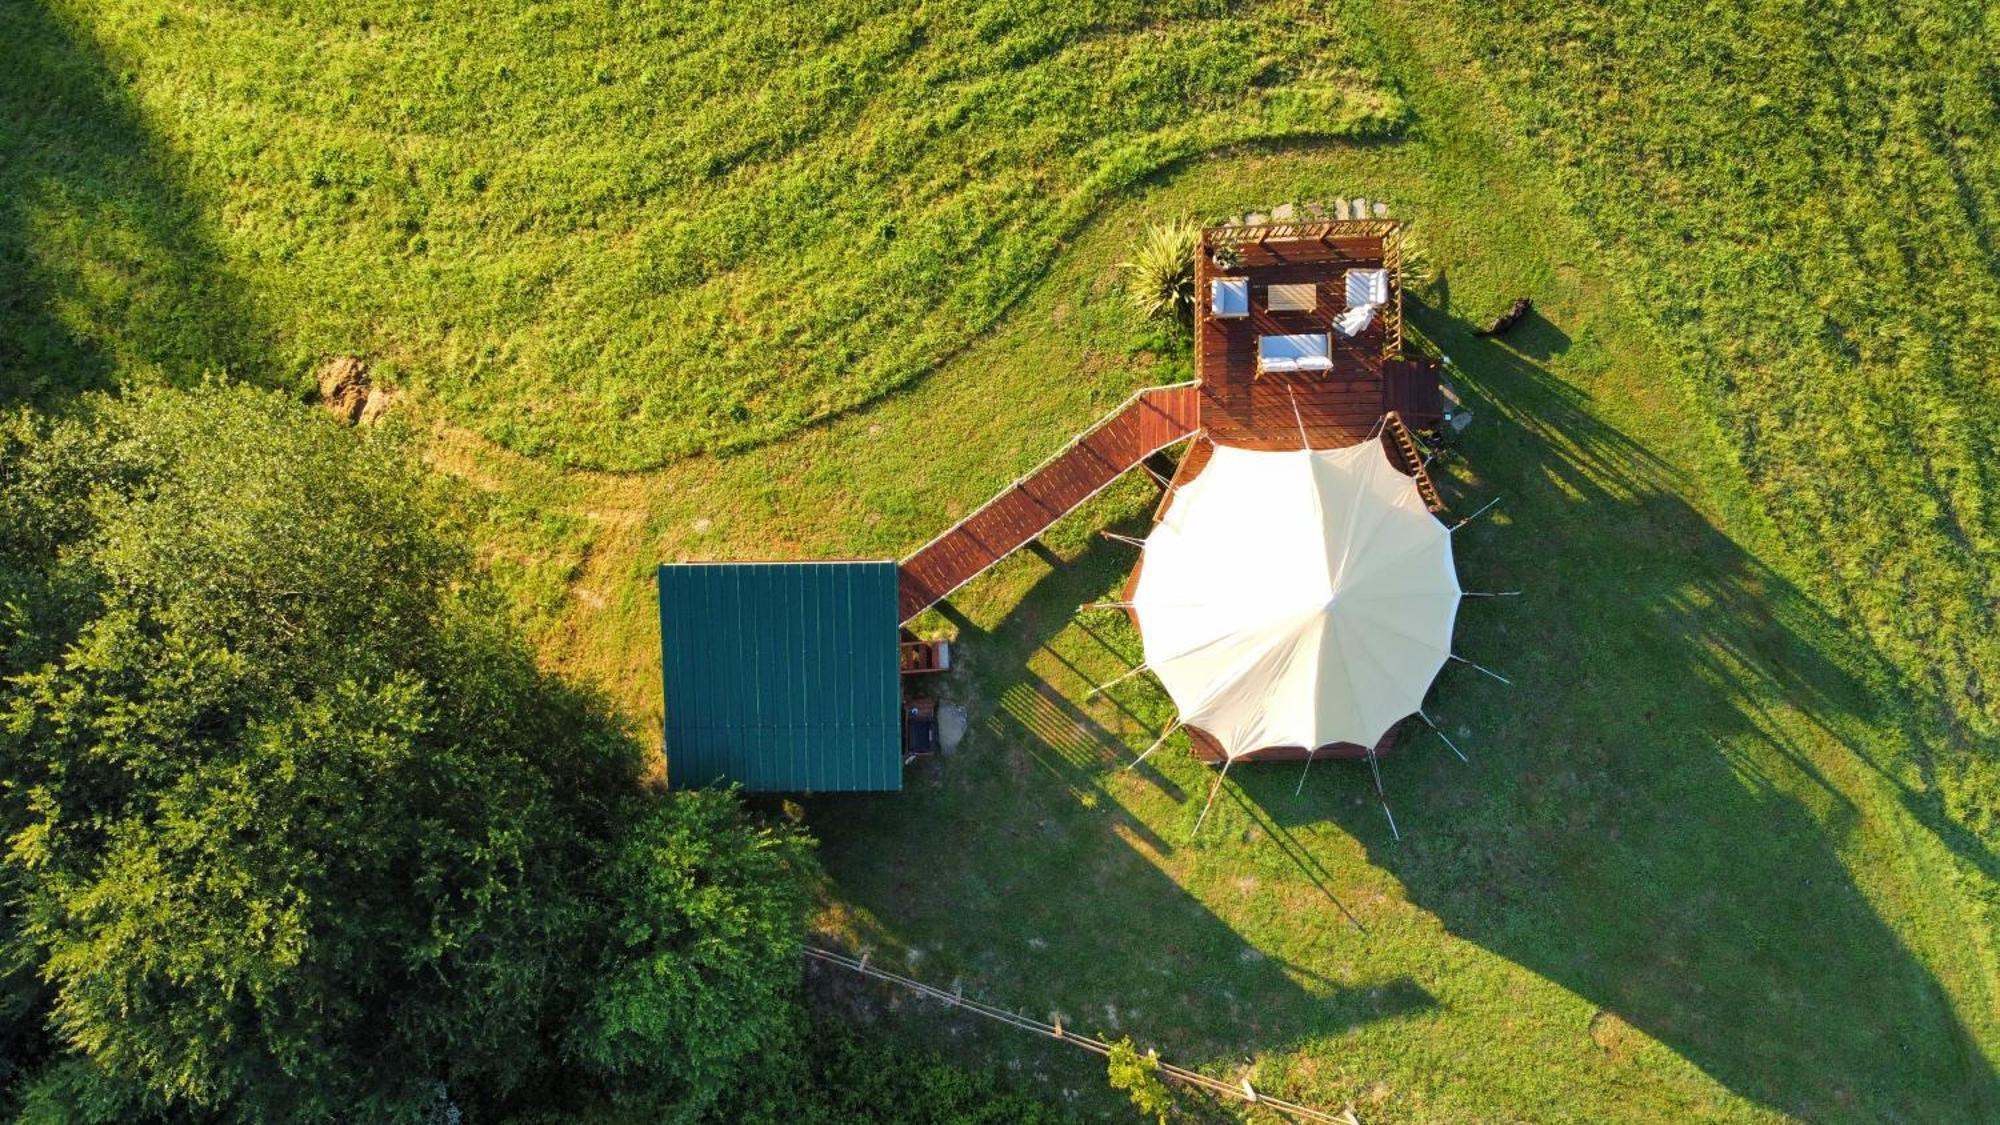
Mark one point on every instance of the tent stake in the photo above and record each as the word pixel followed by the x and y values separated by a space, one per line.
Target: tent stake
pixel 1157 743
pixel 1216 788
pixel 1441 734
pixel 1475 515
pixel 1111 683
pixel 1304 441
pixel 1488 671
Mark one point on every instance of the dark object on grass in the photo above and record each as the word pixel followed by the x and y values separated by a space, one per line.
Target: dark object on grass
pixel 1508 319
pixel 920 731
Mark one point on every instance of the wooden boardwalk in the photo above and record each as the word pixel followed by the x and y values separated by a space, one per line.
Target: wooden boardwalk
pixel 1149 421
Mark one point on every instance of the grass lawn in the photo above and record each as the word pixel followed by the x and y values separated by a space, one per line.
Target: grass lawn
pixel 1718 852
pixel 533 215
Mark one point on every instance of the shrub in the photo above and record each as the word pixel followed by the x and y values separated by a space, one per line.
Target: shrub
pixel 1160 276
pixel 1138 1075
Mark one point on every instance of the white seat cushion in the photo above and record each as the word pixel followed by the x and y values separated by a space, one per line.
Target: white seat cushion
pixel 1229 296
pixel 1356 320
pixel 1367 287
pixel 1309 351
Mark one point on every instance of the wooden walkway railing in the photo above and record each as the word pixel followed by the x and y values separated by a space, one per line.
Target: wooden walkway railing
pixel 1403 450
pixel 1148 422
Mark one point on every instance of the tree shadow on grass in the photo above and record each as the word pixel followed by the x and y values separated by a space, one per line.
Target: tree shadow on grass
pixel 106 271
pixel 1014 867
pixel 1640 821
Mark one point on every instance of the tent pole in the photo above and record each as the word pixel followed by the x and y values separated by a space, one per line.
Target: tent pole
pixel 1157 743
pixel 1110 683
pixel 1475 515
pixel 1383 796
pixel 1441 734
pixel 1488 671
pixel 1213 790
pixel 1304 441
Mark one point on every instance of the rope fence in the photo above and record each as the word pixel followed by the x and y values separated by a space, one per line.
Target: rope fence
pixel 956 998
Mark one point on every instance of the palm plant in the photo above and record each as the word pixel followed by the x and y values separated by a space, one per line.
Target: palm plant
pixel 1161 272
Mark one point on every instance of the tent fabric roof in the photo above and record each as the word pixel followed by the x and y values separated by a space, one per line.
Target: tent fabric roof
pixel 782 677
pixel 1297 599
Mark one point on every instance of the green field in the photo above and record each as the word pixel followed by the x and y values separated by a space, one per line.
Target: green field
pixel 612 234
pixel 1728 847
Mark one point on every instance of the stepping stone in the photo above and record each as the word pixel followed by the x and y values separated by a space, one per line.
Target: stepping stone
pixel 1282 213
pixel 1340 206
pixel 1360 208
pixel 1381 210
pixel 1315 210
pixel 1258 219
pixel 951 727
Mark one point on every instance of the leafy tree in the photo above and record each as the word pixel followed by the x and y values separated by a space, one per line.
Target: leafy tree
pixel 294 827
pixel 706 912
pixel 1138 1075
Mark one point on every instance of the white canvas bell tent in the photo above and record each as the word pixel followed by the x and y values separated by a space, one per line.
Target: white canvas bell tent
pixel 1297 599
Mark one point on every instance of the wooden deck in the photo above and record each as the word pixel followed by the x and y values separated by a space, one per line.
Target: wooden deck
pixel 1336 408
pixel 1230 404
pixel 1242 408
pixel 1148 422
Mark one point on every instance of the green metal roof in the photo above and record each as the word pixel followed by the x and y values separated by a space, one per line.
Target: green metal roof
pixel 782 676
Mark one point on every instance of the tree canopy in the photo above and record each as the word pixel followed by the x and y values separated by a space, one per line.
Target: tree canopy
pixel 294 827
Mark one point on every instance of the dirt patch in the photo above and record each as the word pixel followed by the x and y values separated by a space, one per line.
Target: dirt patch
pixel 1612 1035
pixel 347 390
